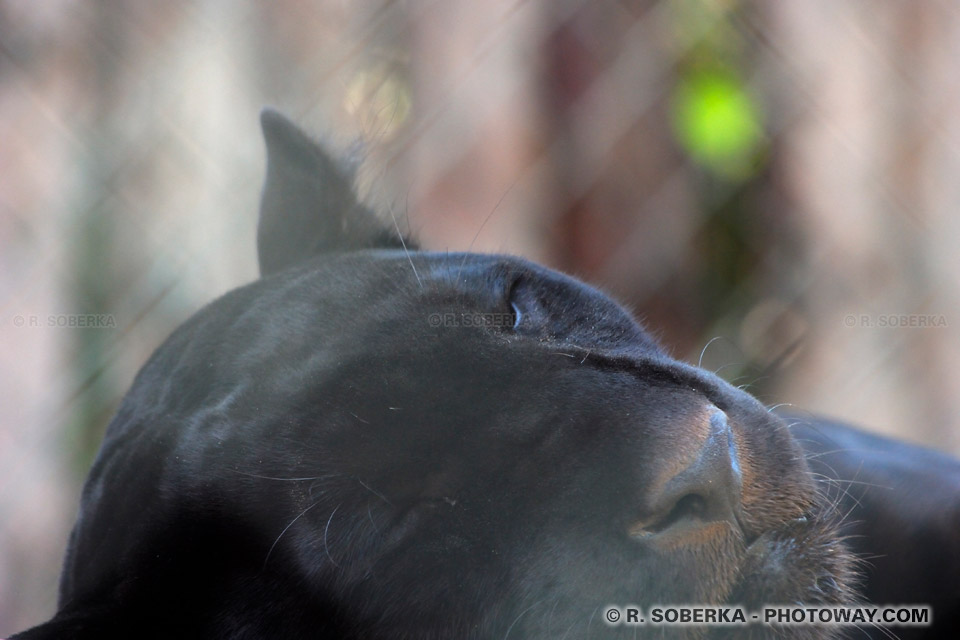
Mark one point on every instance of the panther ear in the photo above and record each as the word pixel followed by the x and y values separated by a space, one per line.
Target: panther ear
pixel 308 205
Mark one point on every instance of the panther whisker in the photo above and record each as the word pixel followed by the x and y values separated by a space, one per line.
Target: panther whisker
pixel 403 243
pixel 887 632
pixel 517 619
pixel 374 492
pixel 300 515
pixel 860 483
pixel 567 632
pixel 553 610
pixel 594 615
pixel 843 492
pixel 326 531
pixel 753 382
pixel 704 350
pixel 730 364
pixel 483 224
pixel 260 477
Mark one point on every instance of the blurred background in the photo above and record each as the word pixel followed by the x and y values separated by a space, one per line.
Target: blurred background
pixel 772 186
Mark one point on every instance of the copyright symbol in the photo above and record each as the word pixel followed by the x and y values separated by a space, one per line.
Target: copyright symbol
pixel 849 320
pixel 434 319
pixel 18 321
pixel 612 615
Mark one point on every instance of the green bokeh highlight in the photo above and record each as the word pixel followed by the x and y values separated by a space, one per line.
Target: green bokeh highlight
pixel 718 123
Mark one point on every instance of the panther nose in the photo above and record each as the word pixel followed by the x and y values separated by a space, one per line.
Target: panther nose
pixel 703 496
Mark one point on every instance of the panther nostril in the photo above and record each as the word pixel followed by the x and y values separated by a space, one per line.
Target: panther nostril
pixel 707 491
pixel 690 506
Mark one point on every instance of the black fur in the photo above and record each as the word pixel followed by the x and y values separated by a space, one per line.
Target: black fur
pixel 902 518
pixel 339 450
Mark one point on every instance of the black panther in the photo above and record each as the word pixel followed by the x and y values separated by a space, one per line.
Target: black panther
pixel 374 441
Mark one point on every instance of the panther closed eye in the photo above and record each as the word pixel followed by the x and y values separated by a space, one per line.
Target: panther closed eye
pixel 517 314
pixel 285 466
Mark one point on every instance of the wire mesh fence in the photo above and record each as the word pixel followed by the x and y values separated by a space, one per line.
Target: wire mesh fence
pixel 771 186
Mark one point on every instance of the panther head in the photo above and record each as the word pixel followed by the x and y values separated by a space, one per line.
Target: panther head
pixel 374 441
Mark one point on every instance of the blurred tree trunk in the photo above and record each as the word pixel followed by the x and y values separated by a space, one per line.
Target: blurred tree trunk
pixel 865 164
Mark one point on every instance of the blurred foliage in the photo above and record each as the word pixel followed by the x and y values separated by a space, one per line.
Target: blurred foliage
pixel 717 123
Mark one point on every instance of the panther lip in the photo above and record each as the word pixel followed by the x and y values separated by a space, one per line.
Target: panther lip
pixel 759 544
